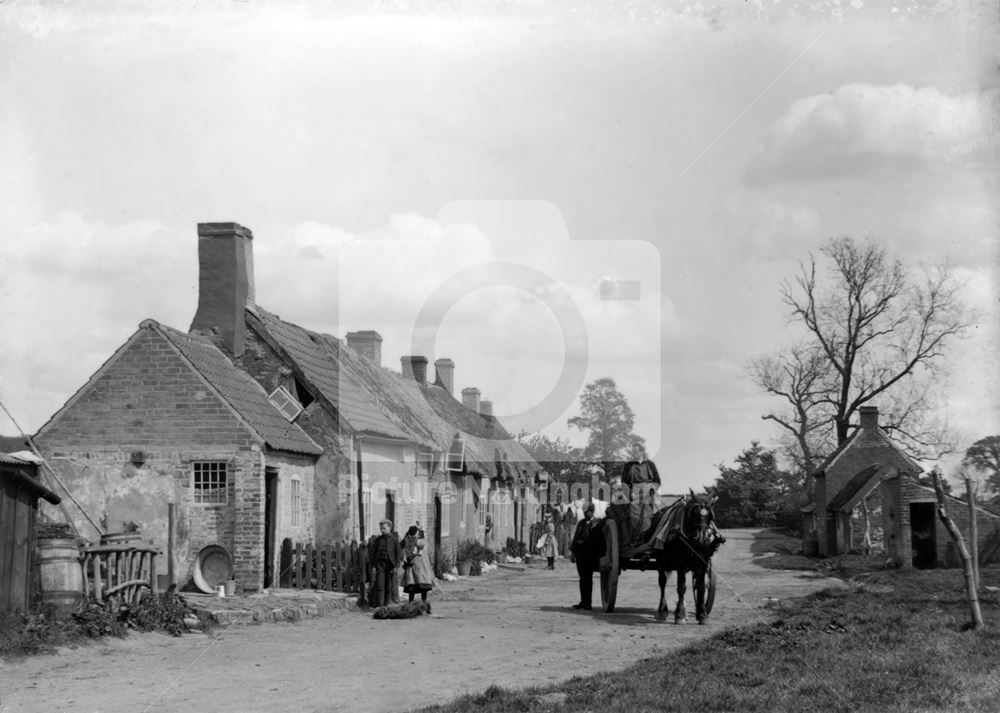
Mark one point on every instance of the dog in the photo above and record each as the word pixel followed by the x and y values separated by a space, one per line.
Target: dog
pixel 403 611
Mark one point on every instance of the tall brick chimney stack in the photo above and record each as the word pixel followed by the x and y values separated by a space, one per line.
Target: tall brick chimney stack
pixel 225 282
pixel 414 367
pixel 444 370
pixel 367 342
pixel 869 417
pixel 470 398
pixel 486 408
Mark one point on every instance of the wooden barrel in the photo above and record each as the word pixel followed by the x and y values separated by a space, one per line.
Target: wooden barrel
pixel 60 574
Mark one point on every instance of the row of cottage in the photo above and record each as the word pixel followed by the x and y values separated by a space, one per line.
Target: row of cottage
pixel 247 430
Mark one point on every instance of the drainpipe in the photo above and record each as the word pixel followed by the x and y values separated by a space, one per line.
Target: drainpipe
pixel 362 600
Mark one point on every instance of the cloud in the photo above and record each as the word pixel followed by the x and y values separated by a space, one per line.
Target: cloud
pixel 861 129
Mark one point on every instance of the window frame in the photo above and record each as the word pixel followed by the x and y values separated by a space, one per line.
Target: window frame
pixel 283 400
pixel 295 498
pixel 198 491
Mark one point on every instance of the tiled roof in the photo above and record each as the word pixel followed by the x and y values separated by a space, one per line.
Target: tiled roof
pixel 243 394
pixel 851 488
pixel 375 400
pixel 12 460
pixel 22 477
pixel 335 375
pixel 484 435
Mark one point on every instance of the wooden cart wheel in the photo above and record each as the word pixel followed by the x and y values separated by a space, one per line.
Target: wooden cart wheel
pixel 609 566
pixel 710 594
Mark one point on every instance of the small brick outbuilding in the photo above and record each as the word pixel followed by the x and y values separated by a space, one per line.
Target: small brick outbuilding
pixel 870 463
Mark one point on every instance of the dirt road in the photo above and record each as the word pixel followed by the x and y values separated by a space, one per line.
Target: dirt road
pixel 510 628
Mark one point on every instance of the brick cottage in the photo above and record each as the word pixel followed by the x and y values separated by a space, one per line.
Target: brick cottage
pixel 870 465
pixel 254 430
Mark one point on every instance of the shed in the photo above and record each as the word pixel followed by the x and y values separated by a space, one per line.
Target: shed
pixel 20 490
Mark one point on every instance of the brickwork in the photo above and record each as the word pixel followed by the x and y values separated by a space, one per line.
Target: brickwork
pixel 332 485
pixel 125 444
pixel 868 446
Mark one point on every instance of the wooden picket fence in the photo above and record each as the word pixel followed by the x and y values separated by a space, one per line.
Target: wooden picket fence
pixel 329 567
pixel 564 536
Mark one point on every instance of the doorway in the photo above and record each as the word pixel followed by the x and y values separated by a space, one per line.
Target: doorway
pixel 923 535
pixel 270 512
pixel 437 531
pixel 390 508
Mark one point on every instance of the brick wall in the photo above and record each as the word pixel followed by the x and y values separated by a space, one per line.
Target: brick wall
pixel 899 493
pixel 869 447
pixel 148 400
pixel 332 486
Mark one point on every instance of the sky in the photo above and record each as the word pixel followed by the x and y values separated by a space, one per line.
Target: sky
pixel 546 193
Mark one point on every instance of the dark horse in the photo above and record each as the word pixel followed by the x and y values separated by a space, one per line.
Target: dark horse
pixel 688 547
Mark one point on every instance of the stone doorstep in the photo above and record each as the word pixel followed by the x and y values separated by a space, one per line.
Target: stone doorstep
pixel 285 605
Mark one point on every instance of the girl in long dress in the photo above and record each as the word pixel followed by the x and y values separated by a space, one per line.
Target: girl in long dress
pixel 549 549
pixel 418 578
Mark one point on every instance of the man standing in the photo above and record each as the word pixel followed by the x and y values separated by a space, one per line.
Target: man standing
pixel 585 561
pixel 385 555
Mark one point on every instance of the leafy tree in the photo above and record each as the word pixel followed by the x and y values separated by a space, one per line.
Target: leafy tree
pixel 608 420
pixel 756 492
pixel 873 333
pixel 559 459
pixel 984 457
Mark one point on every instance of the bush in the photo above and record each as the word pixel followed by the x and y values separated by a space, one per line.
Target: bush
pixel 442 563
pixel 472 551
pixel 515 548
pixel 28 634
pixel 161 613
pixel 42 631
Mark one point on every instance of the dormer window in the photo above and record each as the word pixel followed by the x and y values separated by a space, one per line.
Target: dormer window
pixel 286 403
pixel 456 455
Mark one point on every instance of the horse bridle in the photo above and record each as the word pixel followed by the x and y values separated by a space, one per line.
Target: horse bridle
pixel 703 531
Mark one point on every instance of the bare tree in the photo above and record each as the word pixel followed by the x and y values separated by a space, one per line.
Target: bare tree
pixel 873 332
pixel 798 377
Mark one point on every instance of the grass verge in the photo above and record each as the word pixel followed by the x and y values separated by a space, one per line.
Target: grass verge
pixel 896 641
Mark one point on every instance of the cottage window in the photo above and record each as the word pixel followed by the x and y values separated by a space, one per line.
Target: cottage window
pixel 282 400
pixel 366 505
pixel 296 502
pixel 211 482
pixel 425 463
pixel 445 523
pixel 456 455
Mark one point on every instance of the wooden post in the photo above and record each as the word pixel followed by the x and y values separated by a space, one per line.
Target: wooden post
pixel 98 588
pixel 973 530
pixel 171 515
pixel 341 560
pixel 956 535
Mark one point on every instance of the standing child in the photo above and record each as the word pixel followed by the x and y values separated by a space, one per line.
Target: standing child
pixel 417 575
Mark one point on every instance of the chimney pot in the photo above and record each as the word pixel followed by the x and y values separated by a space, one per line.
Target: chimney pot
pixel 470 398
pixel 869 417
pixel 367 342
pixel 225 282
pixel 444 370
pixel 414 367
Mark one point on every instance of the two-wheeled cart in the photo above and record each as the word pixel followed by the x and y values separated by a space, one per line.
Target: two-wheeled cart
pixel 617 558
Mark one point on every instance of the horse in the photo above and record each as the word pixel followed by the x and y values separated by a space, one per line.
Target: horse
pixel 687 547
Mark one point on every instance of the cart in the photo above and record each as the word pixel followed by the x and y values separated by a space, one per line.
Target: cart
pixel 617 558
